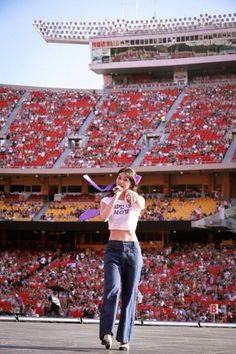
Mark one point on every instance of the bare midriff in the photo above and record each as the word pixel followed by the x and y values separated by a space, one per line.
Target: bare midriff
pixel 123 235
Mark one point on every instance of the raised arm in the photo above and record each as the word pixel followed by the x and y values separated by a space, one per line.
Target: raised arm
pixel 106 209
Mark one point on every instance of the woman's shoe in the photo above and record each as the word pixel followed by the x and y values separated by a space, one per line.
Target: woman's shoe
pixel 107 341
pixel 124 346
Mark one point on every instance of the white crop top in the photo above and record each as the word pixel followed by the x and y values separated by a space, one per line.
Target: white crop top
pixel 124 216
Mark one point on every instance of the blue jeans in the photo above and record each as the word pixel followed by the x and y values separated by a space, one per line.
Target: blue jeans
pixel 122 269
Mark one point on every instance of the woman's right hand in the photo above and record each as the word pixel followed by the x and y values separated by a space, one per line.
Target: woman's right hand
pixel 117 190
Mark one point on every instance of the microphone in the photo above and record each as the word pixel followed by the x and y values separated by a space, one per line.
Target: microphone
pixel 116 189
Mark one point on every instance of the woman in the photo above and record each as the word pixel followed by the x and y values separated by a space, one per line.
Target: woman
pixel 122 260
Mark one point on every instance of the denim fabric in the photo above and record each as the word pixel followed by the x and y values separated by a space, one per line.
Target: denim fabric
pixel 122 269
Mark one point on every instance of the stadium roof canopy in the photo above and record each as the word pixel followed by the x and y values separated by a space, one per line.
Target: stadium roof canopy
pixel 83 32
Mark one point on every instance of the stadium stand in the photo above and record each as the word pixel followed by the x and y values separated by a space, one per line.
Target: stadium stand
pixel 192 133
pixel 168 109
pixel 120 123
pixel 13 208
pixel 8 100
pixel 178 283
pixel 179 209
pixel 45 118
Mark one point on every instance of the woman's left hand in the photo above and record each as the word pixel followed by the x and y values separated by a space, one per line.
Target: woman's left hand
pixel 131 197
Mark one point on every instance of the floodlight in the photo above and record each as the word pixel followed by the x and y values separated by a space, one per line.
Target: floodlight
pixel 79 30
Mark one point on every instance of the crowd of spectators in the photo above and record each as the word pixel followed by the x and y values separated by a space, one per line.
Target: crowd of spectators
pixel 15 208
pixel 44 120
pixel 115 136
pixel 8 100
pixel 193 134
pixel 67 210
pixel 15 267
pixel 178 209
pixel 178 283
pixel 226 78
pixel 120 124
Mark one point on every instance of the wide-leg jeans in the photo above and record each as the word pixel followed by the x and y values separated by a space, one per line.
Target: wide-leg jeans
pixel 122 269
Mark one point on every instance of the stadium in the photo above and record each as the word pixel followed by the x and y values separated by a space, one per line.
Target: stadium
pixel 167 109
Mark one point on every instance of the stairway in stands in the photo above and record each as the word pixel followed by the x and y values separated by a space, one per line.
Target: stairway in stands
pixel 13 114
pixel 81 133
pixel 160 129
pixel 231 150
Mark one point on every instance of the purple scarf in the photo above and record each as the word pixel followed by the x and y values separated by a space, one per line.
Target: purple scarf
pixel 91 213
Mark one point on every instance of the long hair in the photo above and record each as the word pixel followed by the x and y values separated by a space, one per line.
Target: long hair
pixel 130 174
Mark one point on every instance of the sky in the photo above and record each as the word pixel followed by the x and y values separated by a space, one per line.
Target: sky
pixel 26 59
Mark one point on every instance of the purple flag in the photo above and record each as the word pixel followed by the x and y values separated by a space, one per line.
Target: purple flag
pixel 92 213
